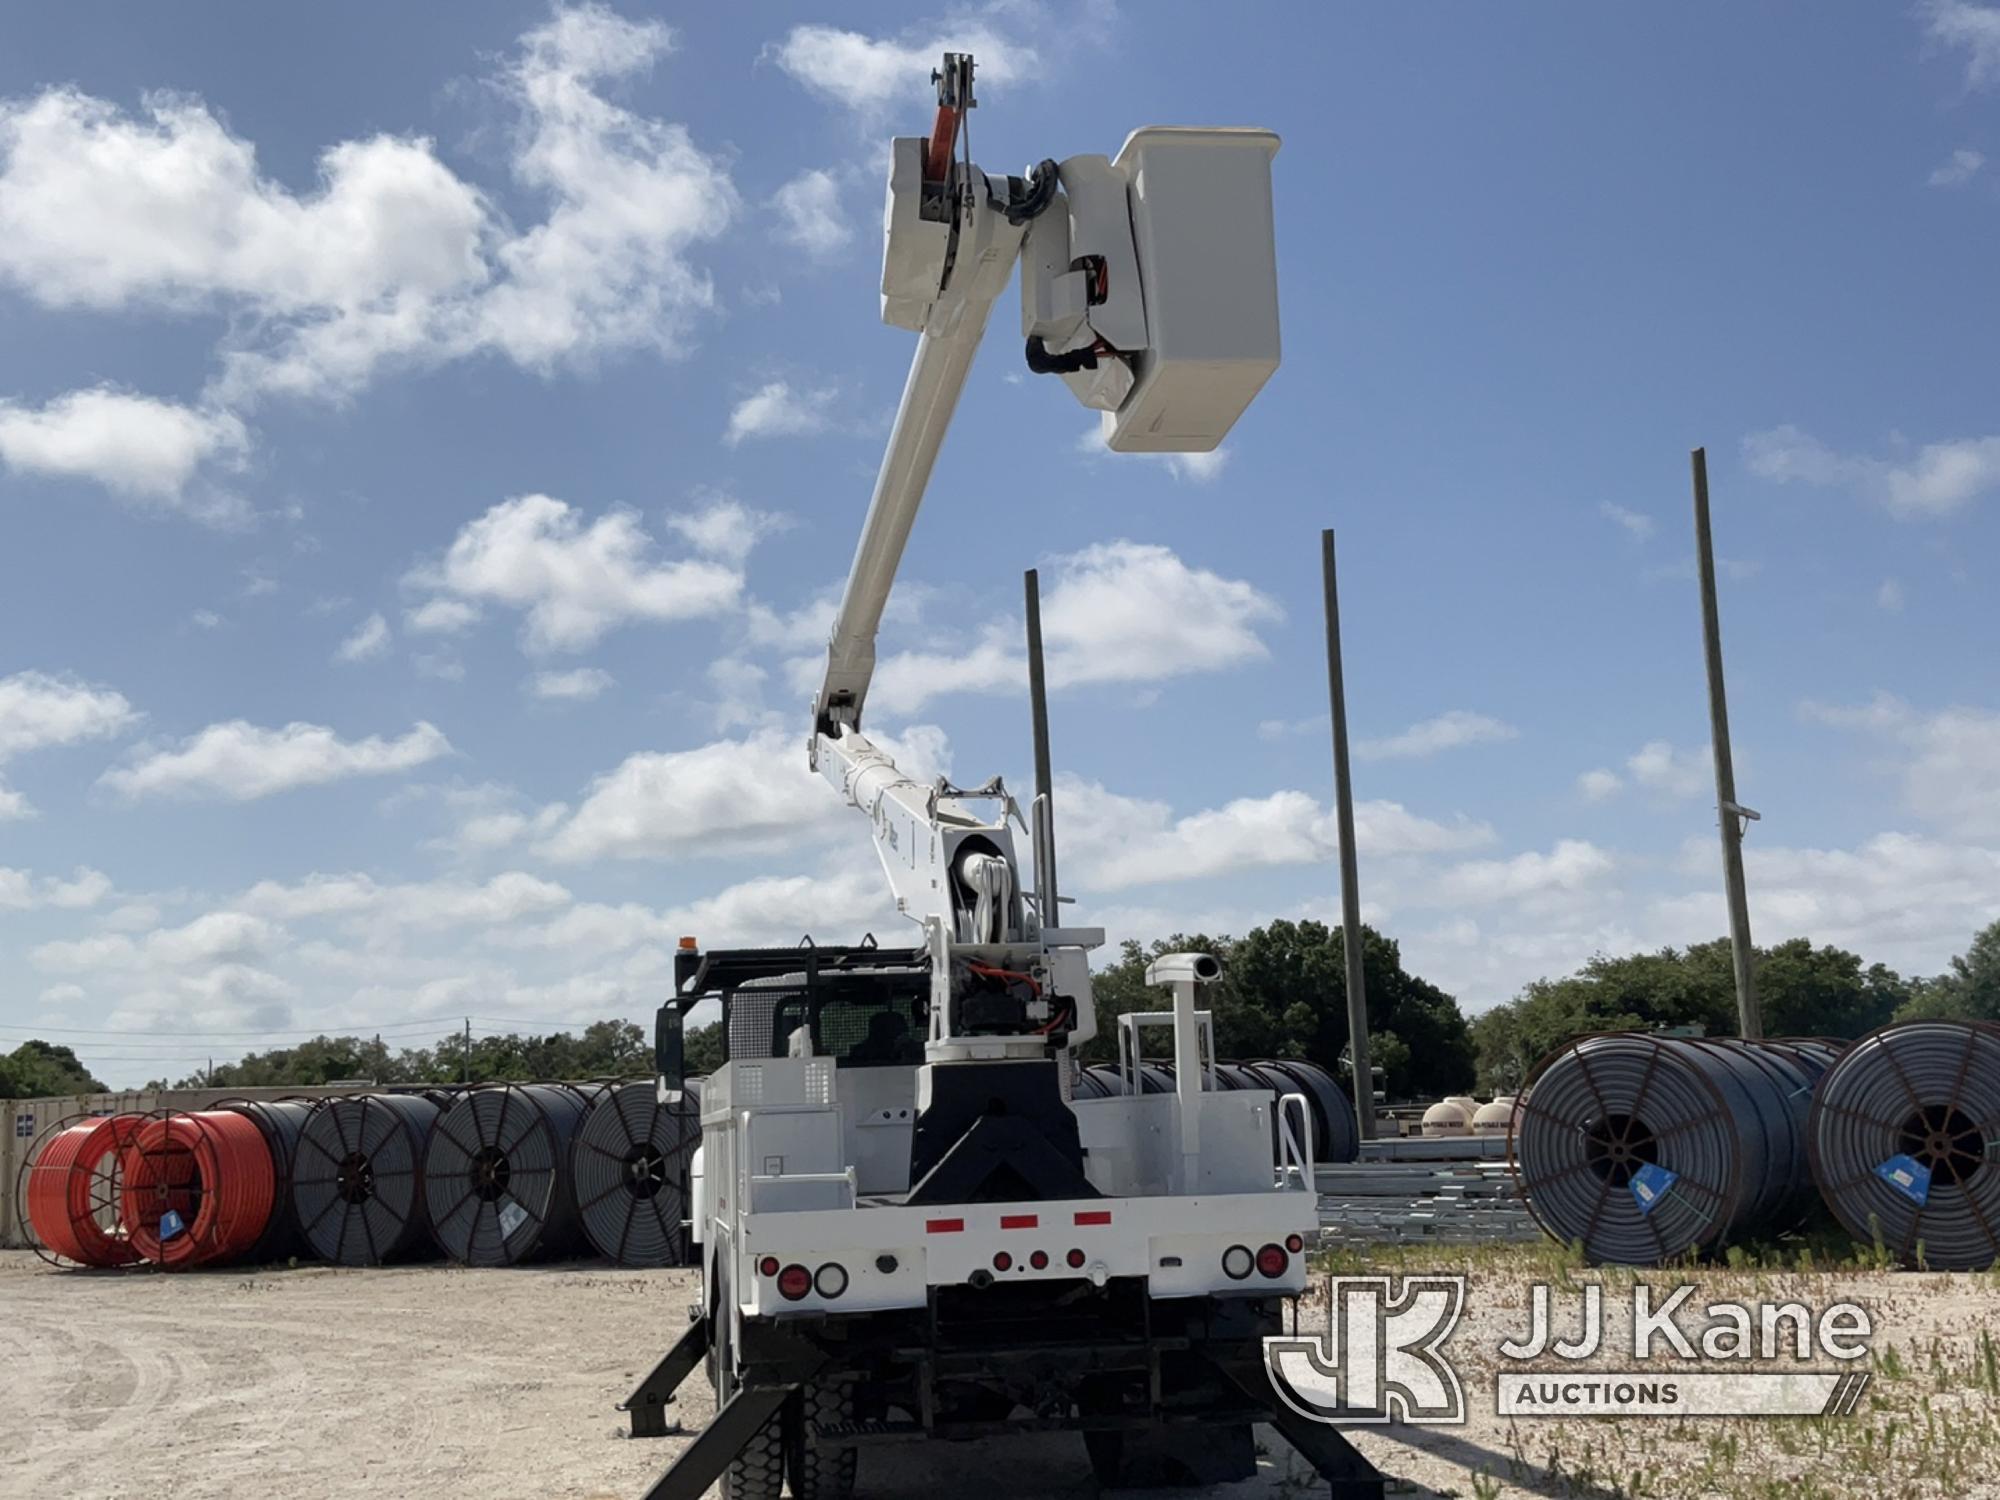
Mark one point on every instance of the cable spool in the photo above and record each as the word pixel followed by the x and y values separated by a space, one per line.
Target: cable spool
pixel 1336 1138
pixel 69 1192
pixel 282 1121
pixel 630 1165
pixel 358 1191
pixel 1643 1148
pixel 198 1188
pixel 1905 1133
pixel 496 1175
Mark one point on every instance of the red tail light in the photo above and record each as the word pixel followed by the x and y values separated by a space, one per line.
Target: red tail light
pixel 1039 1260
pixel 1002 1261
pixel 1272 1260
pixel 794 1282
pixel 1295 1243
pixel 1075 1259
pixel 768 1266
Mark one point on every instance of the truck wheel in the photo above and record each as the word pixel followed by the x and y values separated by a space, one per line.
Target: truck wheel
pixel 824 1473
pixel 758 1472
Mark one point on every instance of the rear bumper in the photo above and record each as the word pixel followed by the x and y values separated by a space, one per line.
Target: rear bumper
pixel 894 1257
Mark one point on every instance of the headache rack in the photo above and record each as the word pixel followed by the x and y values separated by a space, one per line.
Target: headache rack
pixel 862 1004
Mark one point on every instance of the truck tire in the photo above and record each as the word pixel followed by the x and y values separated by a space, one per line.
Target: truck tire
pixel 824 1473
pixel 758 1472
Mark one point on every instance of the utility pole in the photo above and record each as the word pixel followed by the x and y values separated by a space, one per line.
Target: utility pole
pixel 1730 814
pixel 1350 888
pixel 465 1057
pixel 1043 831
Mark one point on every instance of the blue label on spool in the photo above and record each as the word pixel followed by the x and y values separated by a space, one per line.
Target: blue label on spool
pixel 1649 1185
pixel 1910 1178
pixel 171 1224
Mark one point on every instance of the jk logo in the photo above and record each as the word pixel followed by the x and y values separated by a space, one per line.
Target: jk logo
pixel 1378 1360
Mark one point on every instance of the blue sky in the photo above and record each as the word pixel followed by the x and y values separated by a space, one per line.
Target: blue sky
pixel 429 444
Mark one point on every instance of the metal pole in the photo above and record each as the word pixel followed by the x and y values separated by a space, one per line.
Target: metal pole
pixel 1729 814
pixel 1044 832
pixel 1350 887
pixel 465 1057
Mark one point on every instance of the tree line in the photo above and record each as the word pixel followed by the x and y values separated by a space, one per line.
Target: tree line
pixel 1283 993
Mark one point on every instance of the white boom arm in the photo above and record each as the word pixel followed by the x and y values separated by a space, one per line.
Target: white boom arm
pixel 1151 290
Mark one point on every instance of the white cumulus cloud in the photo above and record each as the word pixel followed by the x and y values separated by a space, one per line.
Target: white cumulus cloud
pixel 369 640
pixel 810 214
pixel 238 761
pixel 776 409
pixel 574 580
pixel 1940 479
pixel 144 449
pixel 1448 731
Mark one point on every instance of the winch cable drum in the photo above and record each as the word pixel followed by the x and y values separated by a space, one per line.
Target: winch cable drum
pixel 70 1189
pixel 1905 1137
pixel 1644 1148
pixel 630 1164
pixel 198 1187
pixel 357 1193
pixel 497 1175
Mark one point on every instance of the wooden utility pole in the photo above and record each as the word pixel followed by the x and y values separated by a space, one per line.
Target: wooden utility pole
pixel 465 1057
pixel 1350 888
pixel 1730 815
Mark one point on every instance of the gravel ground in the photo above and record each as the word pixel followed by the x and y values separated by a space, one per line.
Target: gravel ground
pixel 432 1381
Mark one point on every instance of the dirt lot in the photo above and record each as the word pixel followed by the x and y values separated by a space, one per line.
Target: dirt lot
pixel 431 1381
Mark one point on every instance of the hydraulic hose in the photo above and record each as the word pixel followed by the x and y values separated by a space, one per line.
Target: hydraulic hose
pixel 1905 1134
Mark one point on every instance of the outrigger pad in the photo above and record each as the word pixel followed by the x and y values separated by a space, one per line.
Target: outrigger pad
pixel 1002 1159
pixel 647 1405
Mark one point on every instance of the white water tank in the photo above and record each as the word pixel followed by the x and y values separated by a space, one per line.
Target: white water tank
pixel 1447 1117
pixel 1494 1118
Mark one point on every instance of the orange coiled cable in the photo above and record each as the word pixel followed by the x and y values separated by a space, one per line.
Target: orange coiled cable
pixel 213 1171
pixel 73 1192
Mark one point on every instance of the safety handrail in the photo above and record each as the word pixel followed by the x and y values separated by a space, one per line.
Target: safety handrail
pixel 1295 1149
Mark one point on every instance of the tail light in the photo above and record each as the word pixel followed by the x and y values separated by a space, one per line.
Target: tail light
pixel 1002 1261
pixel 830 1280
pixel 1039 1260
pixel 1272 1260
pixel 768 1266
pixel 794 1282
pixel 1236 1262
pixel 1295 1243
pixel 1075 1259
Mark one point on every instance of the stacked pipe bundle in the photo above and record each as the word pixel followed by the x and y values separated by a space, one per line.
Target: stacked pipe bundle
pixel 1335 1136
pixel 71 1192
pixel 1644 1148
pixel 496 1175
pixel 630 1164
pixel 1905 1133
pixel 197 1188
pixel 357 1194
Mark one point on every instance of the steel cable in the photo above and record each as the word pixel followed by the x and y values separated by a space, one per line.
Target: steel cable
pixel 1644 1148
pixel 198 1188
pixel 496 1175
pixel 1905 1135
pixel 73 1189
pixel 357 1192
pixel 630 1164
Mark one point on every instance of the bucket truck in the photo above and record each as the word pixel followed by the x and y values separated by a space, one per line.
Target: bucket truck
pixel 910 1225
